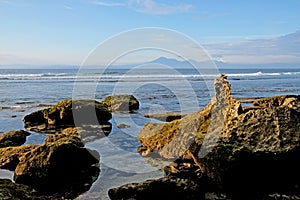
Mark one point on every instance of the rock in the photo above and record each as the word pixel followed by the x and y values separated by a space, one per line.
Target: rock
pixel 168 117
pixel 171 140
pixel 163 188
pixel 13 138
pixel 60 116
pixel 122 126
pixel 243 152
pixel 10 190
pixel 121 103
pixel 88 133
pixel 9 156
pixel 260 146
pixel 278 101
pixel 59 165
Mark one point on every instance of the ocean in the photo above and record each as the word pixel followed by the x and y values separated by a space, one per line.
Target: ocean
pixel 23 91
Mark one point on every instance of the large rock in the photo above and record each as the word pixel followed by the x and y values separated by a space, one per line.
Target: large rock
pixel 243 151
pixel 13 138
pixel 261 146
pixel 61 164
pixel 121 103
pixel 68 113
pixel 61 167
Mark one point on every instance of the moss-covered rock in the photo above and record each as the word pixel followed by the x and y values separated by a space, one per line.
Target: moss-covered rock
pixel 242 152
pixel 121 103
pixel 68 113
pixel 13 138
pixel 171 140
pixel 61 165
pixel 9 156
pixel 10 190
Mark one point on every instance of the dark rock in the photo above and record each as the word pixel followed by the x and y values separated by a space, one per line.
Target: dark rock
pixel 13 138
pixel 168 117
pixel 163 188
pixel 59 165
pixel 121 103
pixel 10 190
pixel 68 113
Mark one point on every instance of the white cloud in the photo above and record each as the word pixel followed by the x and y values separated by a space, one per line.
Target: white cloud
pixel 282 49
pixel 109 4
pixel 68 7
pixel 148 6
pixel 152 7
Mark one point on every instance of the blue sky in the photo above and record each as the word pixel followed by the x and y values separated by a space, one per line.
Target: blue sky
pixel 48 32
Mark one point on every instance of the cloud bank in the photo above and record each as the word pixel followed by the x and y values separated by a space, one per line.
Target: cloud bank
pixel 284 49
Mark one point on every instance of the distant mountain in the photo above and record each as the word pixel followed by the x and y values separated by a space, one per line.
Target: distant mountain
pixel 222 65
pixel 171 62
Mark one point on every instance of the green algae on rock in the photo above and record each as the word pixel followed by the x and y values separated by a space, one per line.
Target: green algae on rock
pixel 13 138
pixel 121 103
pixel 68 113
pixel 61 167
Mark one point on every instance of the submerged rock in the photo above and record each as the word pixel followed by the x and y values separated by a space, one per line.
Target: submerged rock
pixel 68 113
pixel 168 117
pixel 121 103
pixel 13 138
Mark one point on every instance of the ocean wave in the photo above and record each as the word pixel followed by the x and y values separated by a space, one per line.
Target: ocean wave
pixel 55 76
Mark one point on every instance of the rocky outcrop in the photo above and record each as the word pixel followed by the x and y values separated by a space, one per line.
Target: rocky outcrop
pixel 13 138
pixel 243 152
pixel 68 113
pixel 59 167
pixel 121 103
pixel 261 146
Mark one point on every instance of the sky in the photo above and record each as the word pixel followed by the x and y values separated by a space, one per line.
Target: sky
pixel 65 32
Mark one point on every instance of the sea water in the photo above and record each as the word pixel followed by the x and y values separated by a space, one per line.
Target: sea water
pixel 23 91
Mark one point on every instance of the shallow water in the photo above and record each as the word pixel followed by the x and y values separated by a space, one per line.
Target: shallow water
pixel 23 91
